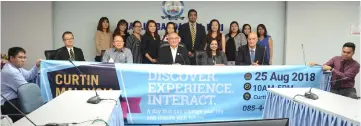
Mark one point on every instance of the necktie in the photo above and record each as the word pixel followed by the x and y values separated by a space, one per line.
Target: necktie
pixel 338 83
pixel 193 33
pixel 252 56
pixel 72 54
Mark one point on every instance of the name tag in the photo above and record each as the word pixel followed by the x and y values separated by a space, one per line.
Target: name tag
pixel 111 60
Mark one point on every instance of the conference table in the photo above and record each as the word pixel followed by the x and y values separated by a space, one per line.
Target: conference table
pixel 328 110
pixel 72 107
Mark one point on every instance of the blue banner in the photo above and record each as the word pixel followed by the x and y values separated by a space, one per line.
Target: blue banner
pixel 156 94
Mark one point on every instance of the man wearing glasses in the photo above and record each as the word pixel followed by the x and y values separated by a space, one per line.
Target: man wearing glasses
pixel 13 76
pixel 69 51
pixel 173 53
pixel 118 53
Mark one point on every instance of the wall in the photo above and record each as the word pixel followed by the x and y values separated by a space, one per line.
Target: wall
pixel 82 17
pixel 322 28
pixel 28 25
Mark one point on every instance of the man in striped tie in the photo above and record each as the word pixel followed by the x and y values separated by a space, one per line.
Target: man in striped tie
pixel 192 35
pixel 68 51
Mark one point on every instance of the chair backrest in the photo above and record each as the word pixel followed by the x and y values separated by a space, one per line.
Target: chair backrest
pixel 50 54
pixel 199 56
pixel 166 44
pixel 29 97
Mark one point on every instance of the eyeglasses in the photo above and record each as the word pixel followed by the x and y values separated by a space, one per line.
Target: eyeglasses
pixel 22 57
pixel 173 38
pixel 69 39
pixel 118 41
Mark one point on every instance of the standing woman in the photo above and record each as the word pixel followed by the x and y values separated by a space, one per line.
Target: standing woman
pixel 103 38
pixel 150 43
pixel 246 29
pixel 134 41
pixel 214 33
pixel 122 30
pixel 266 41
pixel 234 40
pixel 170 28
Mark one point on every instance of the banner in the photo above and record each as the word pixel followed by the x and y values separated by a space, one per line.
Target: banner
pixel 156 94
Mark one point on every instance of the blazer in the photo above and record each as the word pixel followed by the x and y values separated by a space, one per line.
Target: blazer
pixel 63 54
pixel 244 57
pixel 165 55
pixel 221 58
pixel 186 37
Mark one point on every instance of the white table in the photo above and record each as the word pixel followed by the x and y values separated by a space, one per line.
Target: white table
pixel 340 106
pixel 72 106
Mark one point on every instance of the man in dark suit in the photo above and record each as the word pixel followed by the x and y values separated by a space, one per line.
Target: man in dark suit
pixel 252 54
pixel 192 34
pixel 69 51
pixel 173 53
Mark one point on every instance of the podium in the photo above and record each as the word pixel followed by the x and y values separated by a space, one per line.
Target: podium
pixel 72 107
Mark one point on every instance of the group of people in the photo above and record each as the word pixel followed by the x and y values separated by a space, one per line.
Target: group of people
pixel 242 47
pixel 238 47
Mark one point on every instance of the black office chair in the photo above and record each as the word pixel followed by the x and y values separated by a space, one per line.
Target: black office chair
pixel 199 56
pixel 50 54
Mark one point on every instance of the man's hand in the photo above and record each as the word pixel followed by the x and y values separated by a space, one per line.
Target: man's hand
pixel 326 67
pixel 38 62
pixel 312 64
pixel 153 60
pixel 190 53
pixel 255 63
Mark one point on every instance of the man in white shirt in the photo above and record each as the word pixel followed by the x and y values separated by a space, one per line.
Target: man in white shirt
pixel 173 52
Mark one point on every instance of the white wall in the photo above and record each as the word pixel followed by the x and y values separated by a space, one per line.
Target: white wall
pixel 82 17
pixel 322 27
pixel 28 25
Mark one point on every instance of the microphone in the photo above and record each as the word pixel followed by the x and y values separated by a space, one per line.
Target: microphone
pixel 17 109
pixel 311 95
pixel 304 57
pixel 264 53
pixel 184 62
pixel 339 79
pixel 95 99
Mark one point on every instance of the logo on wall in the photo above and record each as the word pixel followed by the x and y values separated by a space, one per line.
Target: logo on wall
pixel 172 10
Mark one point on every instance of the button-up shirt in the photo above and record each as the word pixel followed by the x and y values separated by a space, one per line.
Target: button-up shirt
pixel 122 56
pixel 174 52
pixel 250 54
pixel 12 78
pixel 350 69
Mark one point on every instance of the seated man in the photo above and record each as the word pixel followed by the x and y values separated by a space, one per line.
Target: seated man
pixel 69 51
pixel 344 70
pixel 118 53
pixel 174 53
pixel 13 76
pixel 252 54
